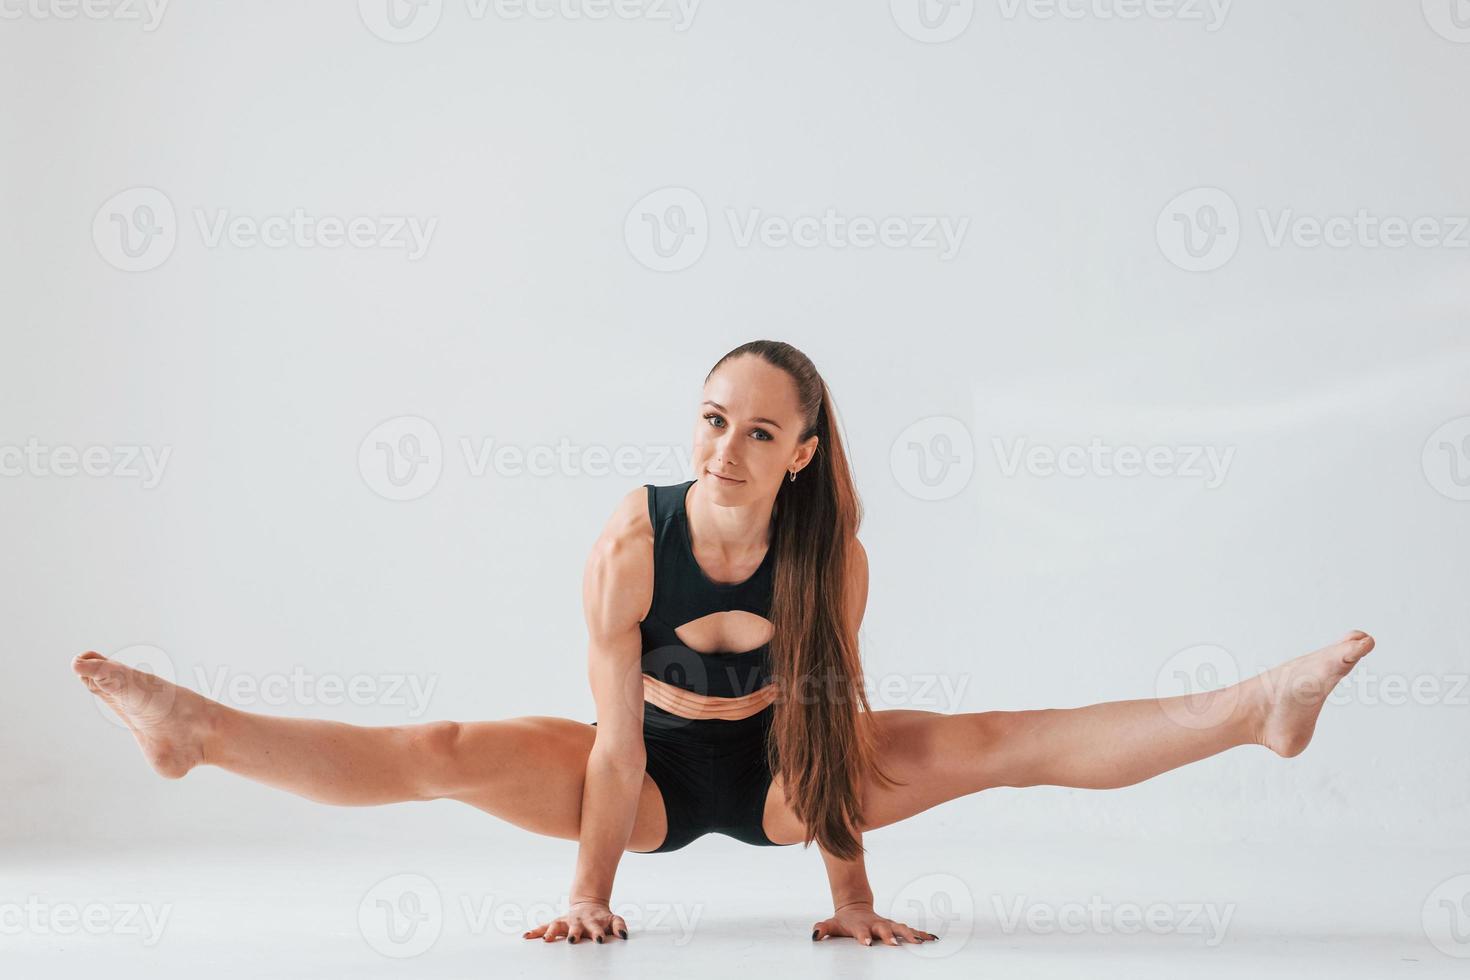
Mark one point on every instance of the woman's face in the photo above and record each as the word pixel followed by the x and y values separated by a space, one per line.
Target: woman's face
pixel 746 429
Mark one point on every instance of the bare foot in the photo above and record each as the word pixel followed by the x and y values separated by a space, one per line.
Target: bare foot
pixel 1291 695
pixel 168 721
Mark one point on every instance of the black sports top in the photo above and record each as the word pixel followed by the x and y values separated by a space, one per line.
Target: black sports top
pixel 682 593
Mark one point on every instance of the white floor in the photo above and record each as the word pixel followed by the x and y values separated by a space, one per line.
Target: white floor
pixel 1082 908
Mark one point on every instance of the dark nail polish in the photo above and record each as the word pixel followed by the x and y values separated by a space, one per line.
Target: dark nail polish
pixel 623 933
pixel 571 939
pixel 599 939
pixel 814 934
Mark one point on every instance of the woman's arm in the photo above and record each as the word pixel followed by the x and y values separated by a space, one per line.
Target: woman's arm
pixel 852 908
pixel 617 588
pixel 852 895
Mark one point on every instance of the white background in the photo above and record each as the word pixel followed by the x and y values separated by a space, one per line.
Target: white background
pixel 531 319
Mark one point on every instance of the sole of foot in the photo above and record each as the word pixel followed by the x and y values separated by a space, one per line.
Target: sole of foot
pixel 163 717
pixel 1293 693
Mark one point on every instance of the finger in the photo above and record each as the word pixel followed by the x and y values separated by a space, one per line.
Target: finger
pixel 535 933
pixel 596 933
pixel 620 927
pixel 885 934
pixel 863 936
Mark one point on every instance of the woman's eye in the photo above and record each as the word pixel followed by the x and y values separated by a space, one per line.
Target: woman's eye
pixel 713 418
pixel 764 435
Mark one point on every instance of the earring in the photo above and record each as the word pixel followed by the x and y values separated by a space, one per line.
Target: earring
pixel 793 476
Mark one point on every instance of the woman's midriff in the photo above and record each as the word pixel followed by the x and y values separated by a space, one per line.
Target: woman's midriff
pixel 686 704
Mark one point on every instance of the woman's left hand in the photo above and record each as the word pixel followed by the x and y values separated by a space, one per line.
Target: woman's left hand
pixel 863 924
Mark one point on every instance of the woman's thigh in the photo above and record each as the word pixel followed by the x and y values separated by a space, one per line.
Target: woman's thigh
pixel 530 771
pixel 934 758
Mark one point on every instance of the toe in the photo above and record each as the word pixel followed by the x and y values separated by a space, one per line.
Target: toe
pixel 1359 643
pixel 88 664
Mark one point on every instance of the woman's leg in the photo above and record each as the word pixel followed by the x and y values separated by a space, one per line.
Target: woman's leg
pixel 527 771
pixel 942 757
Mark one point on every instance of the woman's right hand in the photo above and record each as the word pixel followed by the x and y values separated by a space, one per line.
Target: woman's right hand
pixel 584 920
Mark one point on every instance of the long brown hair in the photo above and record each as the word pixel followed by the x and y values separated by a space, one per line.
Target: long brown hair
pixel 821 742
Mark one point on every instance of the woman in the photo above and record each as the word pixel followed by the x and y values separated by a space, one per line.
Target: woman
pixel 771 744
